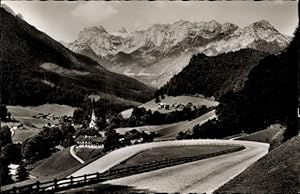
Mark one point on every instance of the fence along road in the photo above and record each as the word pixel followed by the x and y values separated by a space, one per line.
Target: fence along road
pixel 117 156
pixel 203 176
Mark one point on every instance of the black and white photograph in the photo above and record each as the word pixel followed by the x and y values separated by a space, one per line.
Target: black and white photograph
pixel 113 97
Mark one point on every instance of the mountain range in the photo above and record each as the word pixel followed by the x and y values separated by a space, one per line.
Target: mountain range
pixel 156 54
pixel 36 69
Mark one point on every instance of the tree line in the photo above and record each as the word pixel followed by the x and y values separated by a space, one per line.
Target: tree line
pixel 142 117
pixel 269 96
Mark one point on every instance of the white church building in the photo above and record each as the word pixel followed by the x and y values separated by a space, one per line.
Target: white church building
pixel 93 121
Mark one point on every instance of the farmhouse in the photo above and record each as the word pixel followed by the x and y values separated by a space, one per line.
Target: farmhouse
pixel 161 105
pixel 90 141
pixel 13 169
pixel 178 106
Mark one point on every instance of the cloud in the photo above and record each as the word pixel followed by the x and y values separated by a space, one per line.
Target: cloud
pixel 93 12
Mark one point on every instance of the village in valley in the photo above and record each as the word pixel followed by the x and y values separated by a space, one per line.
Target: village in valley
pixel 91 134
pixel 119 97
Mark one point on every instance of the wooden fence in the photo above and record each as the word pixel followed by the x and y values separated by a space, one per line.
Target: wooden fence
pixel 73 182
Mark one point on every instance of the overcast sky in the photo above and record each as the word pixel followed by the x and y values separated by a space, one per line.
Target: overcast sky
pixel 63 20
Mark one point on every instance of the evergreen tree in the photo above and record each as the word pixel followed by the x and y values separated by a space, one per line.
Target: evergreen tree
pixel 22 173
pixel 157 100
pixel 112 140
pixel 9 116
pixel 5 136
pixel 5 177
pixel 3 112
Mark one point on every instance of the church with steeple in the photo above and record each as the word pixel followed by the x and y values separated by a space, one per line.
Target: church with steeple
pixel 93 121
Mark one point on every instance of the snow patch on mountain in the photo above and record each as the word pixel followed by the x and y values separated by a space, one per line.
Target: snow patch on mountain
pixel 164 49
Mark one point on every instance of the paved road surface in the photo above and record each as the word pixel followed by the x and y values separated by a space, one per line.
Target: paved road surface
pixel 199 176
pixel 170 131
pixel 73 154
pixel 115 157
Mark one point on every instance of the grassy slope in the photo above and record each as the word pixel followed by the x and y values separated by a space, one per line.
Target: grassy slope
pixel 158 154
pixel 277 172
pixel 171 100
pixel 57 163
pixel 58 166
pixel 169 131
pixel 56 109
pixel 265 136
pixel 29 111
pixel 87 154
pixel 22 134
pixel 33 125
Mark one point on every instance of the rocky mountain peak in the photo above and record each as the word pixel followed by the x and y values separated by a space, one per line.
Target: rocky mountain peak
pixel 213 23
pixel 262 24
pixel 181 22
pixel 229 27
pixel 149 50
pixel 263 30
pixel 98 29
pixel 123 30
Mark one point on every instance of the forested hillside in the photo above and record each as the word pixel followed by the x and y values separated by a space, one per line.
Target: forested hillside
pixel 36 69
pixel 269 96
pixel 216 75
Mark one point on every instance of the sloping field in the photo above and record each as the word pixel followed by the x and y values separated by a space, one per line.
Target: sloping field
pixel 170 131
pixel 117 156
pixel 199 176
pixel 265 136
pixel 153 106
pixel 277 172
pixel 34 122
pixel 87 154
pixel 29 111
pixel 158 154
pixel 204 175
pixel 21 135
pixel 20 111
pixel 151 128
pixel 56 109
pixel 57 163
pixel 31 125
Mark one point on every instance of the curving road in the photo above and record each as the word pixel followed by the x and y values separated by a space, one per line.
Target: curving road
pixel 199 176
pixel 170 131
pixel 173 130
pixel 73 154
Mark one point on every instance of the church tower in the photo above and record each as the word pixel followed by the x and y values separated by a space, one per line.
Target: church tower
pixel 93 121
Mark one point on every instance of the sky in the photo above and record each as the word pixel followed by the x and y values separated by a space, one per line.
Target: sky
pixel 63 20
